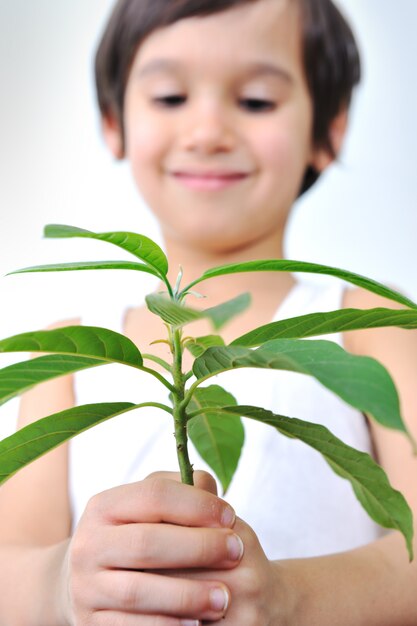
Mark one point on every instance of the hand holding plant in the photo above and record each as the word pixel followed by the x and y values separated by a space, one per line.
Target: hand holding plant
pixel 209 415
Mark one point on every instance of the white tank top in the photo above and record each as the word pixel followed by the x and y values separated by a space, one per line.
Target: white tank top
pixel 283 489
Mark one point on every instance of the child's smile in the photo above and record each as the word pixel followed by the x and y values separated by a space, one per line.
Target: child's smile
pixel 209 181
pixel 224 132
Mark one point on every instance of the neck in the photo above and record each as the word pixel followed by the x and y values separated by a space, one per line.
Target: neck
pixel 263 286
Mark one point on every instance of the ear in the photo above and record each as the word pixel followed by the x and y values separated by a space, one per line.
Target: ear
pixel 112 134
pixel 321 156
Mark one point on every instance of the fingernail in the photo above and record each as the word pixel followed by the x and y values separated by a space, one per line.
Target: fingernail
pixel 219 599
pixel 228 517
pixel 190 622
pixel 235 547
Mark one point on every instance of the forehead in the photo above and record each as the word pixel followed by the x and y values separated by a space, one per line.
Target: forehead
pixel 254 32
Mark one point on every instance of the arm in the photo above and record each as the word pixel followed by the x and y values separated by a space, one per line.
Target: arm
pixel 48 578
pixel 35 517
pixel 374 585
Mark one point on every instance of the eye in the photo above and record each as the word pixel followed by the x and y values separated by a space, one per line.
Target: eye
pixel 258 105
pixel 169 101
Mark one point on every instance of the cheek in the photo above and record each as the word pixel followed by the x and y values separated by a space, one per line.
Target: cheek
pixel 145 142
pixel 142 145
pixel 273 149
pixel 286 147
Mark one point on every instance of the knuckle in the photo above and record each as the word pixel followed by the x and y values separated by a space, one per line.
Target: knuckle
pixel 214 547
pixel 183 598
pixel 96 505
pixel 78 551
pixel 143 545
pixel 206 549
pixel 129 594
pixel 212 510
pixel 153 490
pixel 204 480
pixel 190 597
pixel 154 476
pixel 85 548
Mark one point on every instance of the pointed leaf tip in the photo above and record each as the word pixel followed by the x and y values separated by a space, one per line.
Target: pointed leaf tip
pixel 140 246
pixel 226 311
pixel 384 505
pixel 286 265
pixel 217 438
pixel 34 440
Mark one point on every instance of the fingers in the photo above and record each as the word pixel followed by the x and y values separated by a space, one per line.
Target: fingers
pixel 110 618
pixel 147 594
pixel 205 481
pixel 161 526
pixel 202 480
pixel 164 546
pixel 161 500
pixel 114 618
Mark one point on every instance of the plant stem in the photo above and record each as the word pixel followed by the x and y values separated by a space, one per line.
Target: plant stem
pixel 179 412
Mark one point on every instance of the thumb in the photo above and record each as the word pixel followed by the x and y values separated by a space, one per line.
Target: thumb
pixel 204 480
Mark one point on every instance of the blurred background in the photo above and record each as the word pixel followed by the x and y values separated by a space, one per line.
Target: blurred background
pixel 54 167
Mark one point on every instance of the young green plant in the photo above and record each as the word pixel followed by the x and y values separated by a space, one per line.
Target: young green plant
pixel 208 414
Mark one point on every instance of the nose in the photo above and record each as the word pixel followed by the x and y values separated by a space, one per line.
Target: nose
pixel 208 129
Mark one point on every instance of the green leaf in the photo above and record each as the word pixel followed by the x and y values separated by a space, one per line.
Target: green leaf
pixel 170 312
pixel 384 504
pixel 223 313
pixel 87 341
pixel 284 265
pixel 217 438
pixel 179 315
pixel 34 440
pixel 198 345
pixel 88 265
pixel 314 324
pixel 140 246
pixel 358 380
pixel 17 378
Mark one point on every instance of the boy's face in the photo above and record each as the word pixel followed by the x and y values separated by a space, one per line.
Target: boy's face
pixel 218 124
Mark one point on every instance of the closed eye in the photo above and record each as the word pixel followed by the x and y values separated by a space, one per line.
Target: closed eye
pixel 170 101
pixel 257 105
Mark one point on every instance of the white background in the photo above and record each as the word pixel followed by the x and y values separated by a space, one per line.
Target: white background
pixel 54 168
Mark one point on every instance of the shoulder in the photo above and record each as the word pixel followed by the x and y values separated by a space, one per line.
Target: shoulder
pixel 376 341
pixel 396 349
pixel 393 347
pixel 359 298
pixel 74 321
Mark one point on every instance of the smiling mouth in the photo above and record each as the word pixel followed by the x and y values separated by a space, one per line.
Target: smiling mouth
pixel 209 182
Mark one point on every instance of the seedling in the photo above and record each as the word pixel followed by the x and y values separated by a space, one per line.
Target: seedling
pixel 208 414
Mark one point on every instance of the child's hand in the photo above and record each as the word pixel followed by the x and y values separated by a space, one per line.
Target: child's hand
pixel 120 537
pixel 259 594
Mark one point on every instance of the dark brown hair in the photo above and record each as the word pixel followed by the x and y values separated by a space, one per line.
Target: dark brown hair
pixel 331 57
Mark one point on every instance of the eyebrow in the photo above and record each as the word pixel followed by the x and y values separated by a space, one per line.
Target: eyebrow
pixel 252 70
